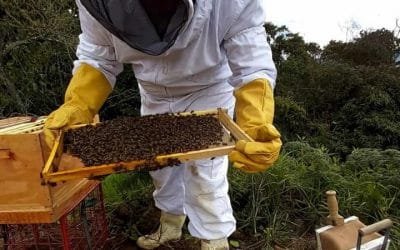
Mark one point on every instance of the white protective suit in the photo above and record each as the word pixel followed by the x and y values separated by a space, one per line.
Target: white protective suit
pixel 222 46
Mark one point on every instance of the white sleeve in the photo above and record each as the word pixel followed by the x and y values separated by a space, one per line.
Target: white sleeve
pixel 95 47
pixel 248 51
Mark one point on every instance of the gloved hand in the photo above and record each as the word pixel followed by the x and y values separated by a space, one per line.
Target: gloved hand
pixel 86 93
pixel 254 114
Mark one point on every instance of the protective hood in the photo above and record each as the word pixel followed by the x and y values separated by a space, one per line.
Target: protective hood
pixel 128 20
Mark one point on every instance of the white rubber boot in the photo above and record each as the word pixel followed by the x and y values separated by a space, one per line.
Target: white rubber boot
pixel 170 229
pixel 221 244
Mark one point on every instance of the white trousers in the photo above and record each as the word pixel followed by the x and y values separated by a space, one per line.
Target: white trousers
pixel 198 189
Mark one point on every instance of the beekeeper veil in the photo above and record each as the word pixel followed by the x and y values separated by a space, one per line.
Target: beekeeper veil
pixel 129 21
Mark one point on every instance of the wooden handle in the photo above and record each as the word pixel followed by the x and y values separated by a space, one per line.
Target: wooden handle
pixel 376 227
pixel 332 203
pixel 334 217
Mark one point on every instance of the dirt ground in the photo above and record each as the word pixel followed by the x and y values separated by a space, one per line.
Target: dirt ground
pixel 124 238
pixel 190 243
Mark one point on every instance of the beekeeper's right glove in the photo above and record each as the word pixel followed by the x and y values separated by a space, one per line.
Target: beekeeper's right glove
pixel 86 93
pixel 254 114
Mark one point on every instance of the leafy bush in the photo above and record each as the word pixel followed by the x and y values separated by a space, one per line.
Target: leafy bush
pixel 265 204
pixel 37 50
pixel 373 159
pixel 290 118
pixel 289 199
pixel 371 48
pixel 125 98
pixel 340 106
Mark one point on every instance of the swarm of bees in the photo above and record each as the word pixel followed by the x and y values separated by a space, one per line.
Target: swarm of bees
pixel 142 138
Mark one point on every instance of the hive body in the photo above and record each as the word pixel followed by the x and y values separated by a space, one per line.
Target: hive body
pixel 23 198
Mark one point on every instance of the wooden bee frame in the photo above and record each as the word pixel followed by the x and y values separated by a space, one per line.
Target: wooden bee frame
pixel 52 172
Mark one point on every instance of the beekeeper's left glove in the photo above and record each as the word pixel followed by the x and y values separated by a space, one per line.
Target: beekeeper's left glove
pixel 254 112
pixel 86 93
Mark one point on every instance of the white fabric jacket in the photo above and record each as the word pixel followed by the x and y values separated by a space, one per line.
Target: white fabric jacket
pixel 223 41
pixel 222 46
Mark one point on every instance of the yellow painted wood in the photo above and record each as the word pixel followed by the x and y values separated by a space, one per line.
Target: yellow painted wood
pixel 90 172
pixel 51 161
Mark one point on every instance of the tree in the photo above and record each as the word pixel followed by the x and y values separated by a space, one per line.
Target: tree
pixel 372 48
pixel 38 40
pixel 344 98
pixel 285 44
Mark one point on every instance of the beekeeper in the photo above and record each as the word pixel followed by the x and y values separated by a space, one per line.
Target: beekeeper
pixel 186 55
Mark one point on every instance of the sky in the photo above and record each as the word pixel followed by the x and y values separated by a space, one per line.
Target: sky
pixel 322 21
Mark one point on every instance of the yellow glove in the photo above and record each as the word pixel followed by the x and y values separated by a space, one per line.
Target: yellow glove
pixel 254 114
pixel 86 93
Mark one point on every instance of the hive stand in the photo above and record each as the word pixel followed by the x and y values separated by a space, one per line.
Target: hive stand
pixel 85 227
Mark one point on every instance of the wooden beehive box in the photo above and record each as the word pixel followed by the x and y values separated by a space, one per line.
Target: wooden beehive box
pixel 23 197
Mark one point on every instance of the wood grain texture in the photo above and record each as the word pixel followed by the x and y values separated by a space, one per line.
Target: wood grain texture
pixel 23 198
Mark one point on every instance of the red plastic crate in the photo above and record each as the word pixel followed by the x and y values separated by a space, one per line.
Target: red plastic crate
pixel 85 227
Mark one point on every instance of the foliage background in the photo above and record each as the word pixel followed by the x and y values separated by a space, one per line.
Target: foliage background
pixel 338 109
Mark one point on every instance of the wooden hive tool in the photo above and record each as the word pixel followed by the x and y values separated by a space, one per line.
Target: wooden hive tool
pixel 350 233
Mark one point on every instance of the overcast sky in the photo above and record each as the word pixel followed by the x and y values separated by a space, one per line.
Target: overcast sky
pixel 321 21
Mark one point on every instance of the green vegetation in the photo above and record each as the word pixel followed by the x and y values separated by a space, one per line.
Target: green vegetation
pixel 337 107
pixel 37 44
pixel 334 98
pixel 288 201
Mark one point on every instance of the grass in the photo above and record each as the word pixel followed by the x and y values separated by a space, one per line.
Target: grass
pixel 284 205
pixel 120 188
